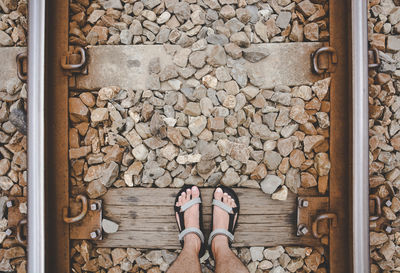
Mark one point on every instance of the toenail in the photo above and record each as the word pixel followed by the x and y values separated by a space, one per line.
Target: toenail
pixel 194 188
pixel 219 190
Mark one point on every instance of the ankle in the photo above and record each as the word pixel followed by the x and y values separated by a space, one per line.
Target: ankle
pixel 219 244
pixel 192 243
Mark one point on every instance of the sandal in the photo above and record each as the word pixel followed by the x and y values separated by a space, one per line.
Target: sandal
pixel 233 212
pixel 181 225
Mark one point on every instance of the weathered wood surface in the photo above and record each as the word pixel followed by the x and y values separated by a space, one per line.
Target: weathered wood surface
pixel 8 71
pixel 146 219
pixel 127 66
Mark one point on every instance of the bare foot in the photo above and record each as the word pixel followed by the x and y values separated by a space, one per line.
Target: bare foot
pixel 221 220
pixel 191 218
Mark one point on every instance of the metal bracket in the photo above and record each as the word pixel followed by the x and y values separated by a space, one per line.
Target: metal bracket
pixel 16 218
pixel 315 64
pixel 22 66
pixel 373 58
pixel 311 211
pixel 376 207
pixel 74 63
pixel 87 223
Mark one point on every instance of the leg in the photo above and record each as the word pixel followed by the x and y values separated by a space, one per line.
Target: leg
pixel 225 260
pixel 188 259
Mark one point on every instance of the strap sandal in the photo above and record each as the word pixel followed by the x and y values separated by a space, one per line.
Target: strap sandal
pixel 233 212
pixel 181 225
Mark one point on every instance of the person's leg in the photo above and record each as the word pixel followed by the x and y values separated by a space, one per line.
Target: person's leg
pixel 188 260
pixel 225 260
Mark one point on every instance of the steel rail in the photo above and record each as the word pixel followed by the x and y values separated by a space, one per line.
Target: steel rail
pixel 360 190
pixel 36 140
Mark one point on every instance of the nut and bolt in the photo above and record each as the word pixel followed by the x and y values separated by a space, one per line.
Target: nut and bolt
pixel 9 203
pixel 388 203
pixel 303 203
pixel 94 206
pixel 95 234
pixel 302 230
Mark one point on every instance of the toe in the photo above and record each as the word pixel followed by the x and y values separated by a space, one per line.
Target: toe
pixel 225 198
pixel 188 194
pixel 218 194
pixel 183 197
pixel 195 192
pixel 179 203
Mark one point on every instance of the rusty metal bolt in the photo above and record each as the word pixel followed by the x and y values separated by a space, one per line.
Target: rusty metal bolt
pixel 94 206
pixel 9 203
pixel 302 230
pixel 93 234
pixel 388 229
pixel 303 203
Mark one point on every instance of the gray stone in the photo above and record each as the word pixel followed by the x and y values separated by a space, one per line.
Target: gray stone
pixel 109 226
pixel 234 25
pixel 270 184
pixel 254 56
pixel 5 39
pixel 292 180
pixel 198 59
pixel 114 4
pixel 240 39
pixel 109 174
pixel 272 159
pixel 216 56
pixel 18 118
pixel 150 4
pixel 164 180
pixel 230 178
pixel 239 74
pixel 394 16
pixel 136 27
pixel 393 43
pixel 126 37
pixel 182 11
pixel 256 253
pixel 5 183
pixel 197 124
pixel 263 132
pixel 273 253
pixel 283 19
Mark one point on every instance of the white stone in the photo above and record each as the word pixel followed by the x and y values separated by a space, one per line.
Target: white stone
pixel 256 253
pixel 140 152
pixel 99 114
pixel 109 226
pixel 197 124
pixel 5 183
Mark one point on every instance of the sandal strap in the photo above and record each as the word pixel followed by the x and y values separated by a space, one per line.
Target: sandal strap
pixel 190 203
pixel 220 231
pixel 191 230
pixel 222 205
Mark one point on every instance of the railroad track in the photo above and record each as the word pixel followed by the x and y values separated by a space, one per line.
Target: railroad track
pixel 110 124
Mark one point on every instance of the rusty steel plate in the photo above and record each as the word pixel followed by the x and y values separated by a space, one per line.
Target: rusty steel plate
pixel 90 226
pixel 308 208
pixel 14 212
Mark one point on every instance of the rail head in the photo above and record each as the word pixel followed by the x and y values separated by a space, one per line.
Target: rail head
pixel 36 171
pixel 360 185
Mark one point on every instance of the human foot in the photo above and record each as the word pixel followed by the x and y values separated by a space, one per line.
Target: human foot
pixel 221 219
pixel 191 218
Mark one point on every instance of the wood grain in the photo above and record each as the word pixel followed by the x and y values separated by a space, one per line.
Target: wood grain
pixel 146 219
